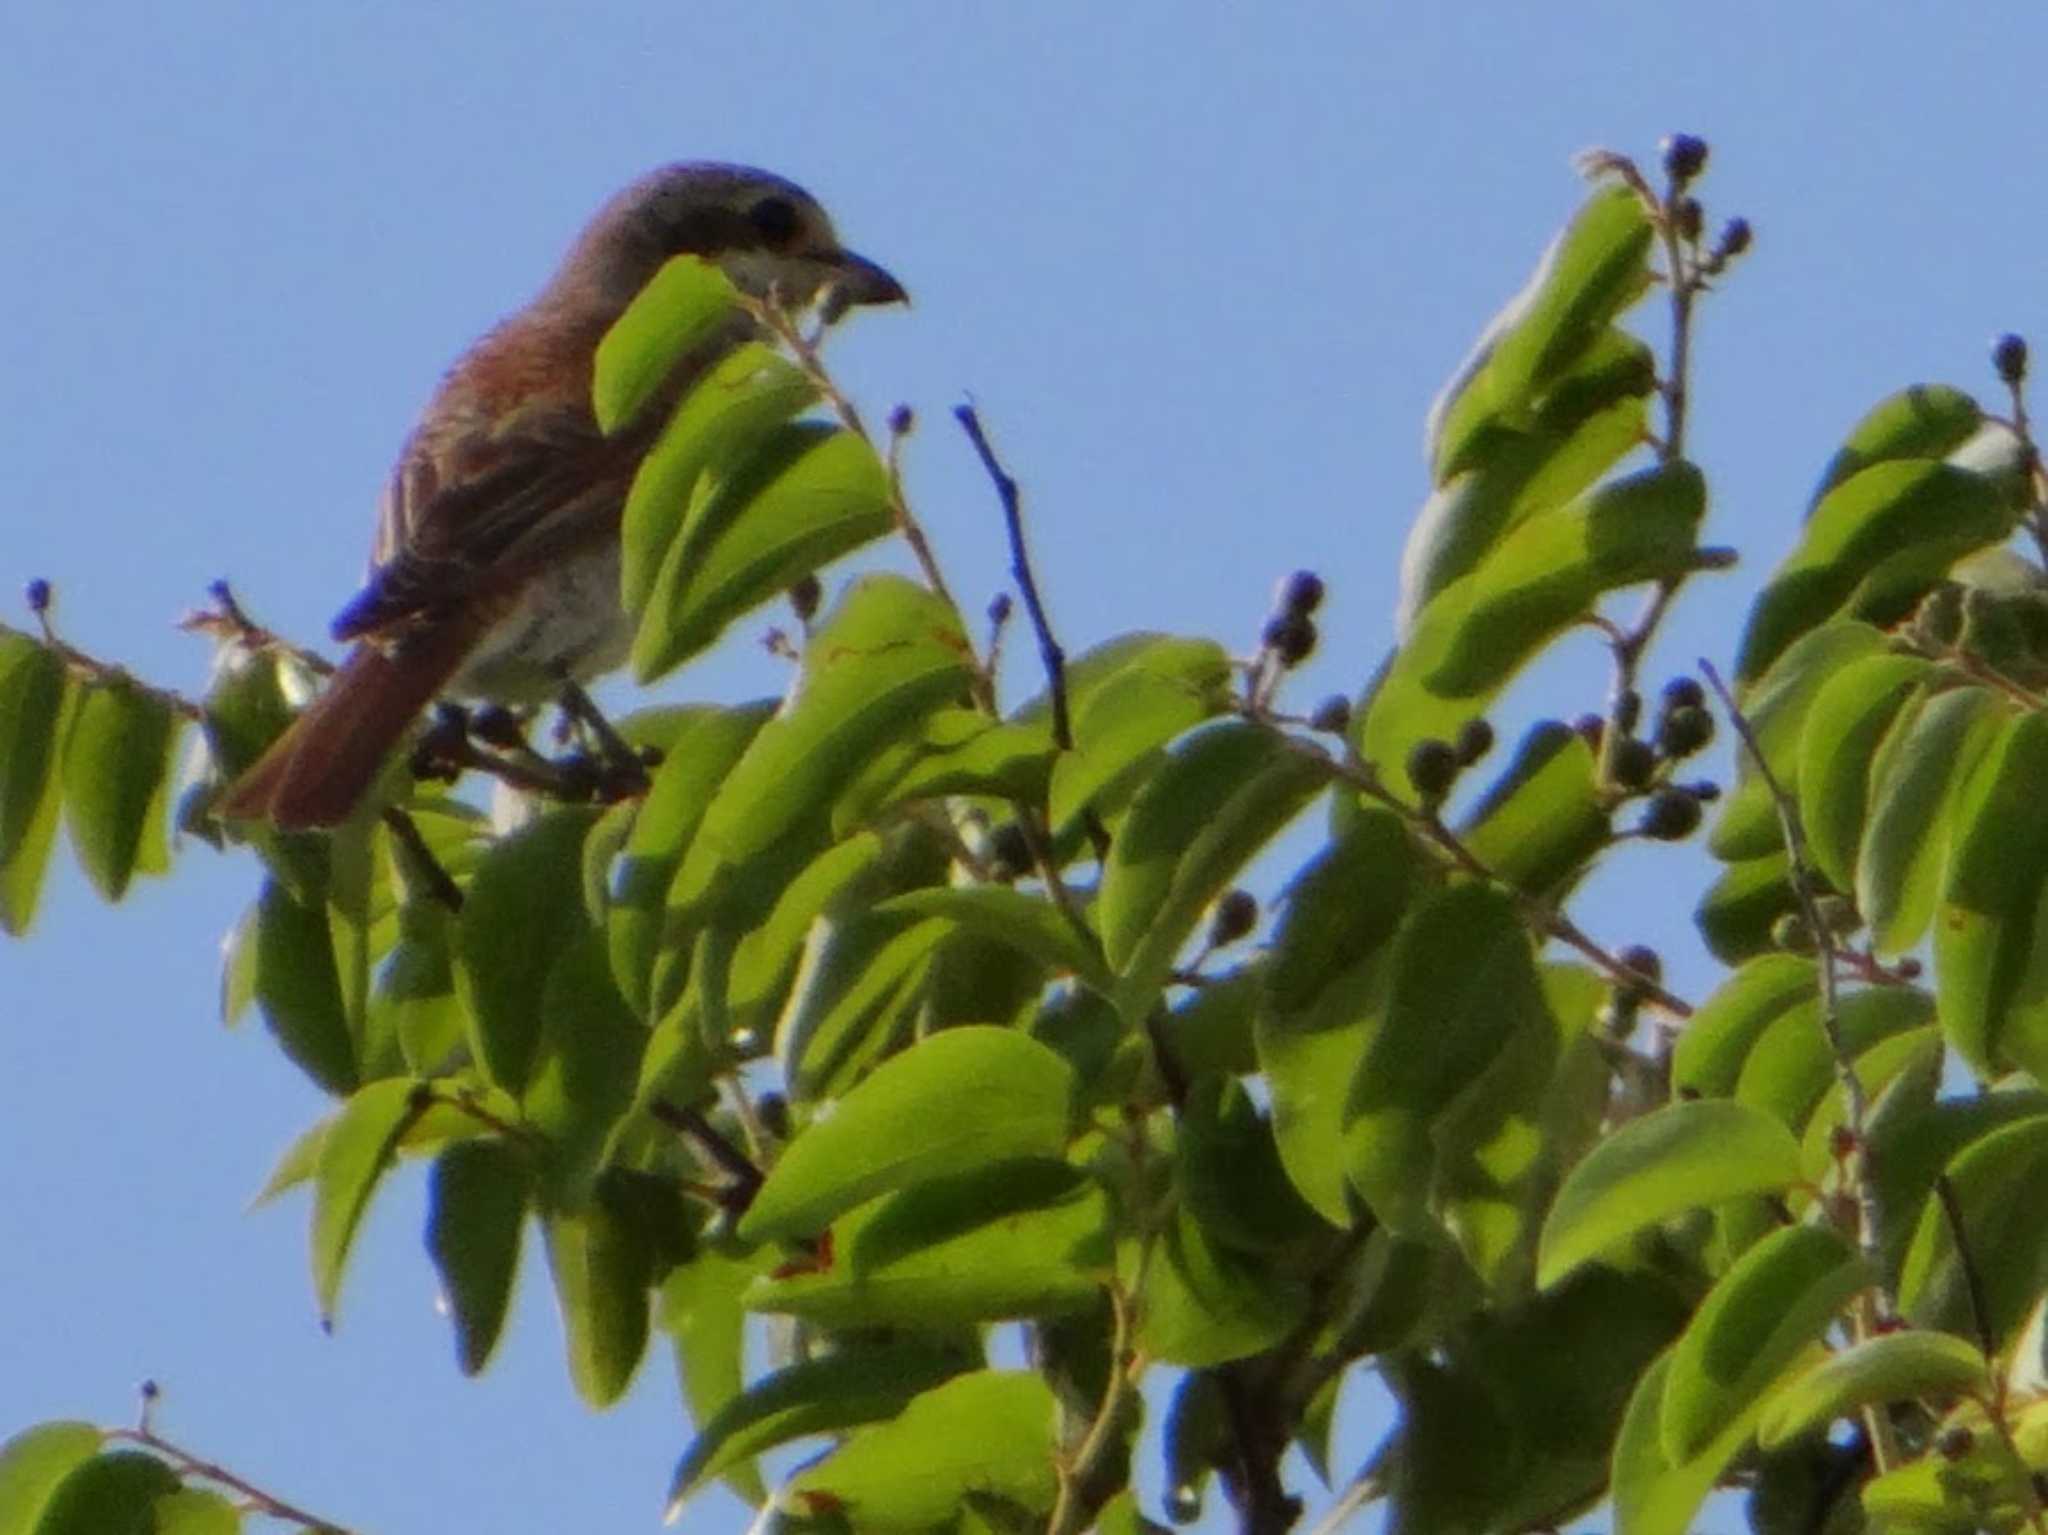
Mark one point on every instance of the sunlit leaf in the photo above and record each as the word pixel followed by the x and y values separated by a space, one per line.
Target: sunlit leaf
pixel 476 1212
pixel 36 706
pixel 682 306
pixel 960 1100
pixel 359 1147
pixel 1894 1368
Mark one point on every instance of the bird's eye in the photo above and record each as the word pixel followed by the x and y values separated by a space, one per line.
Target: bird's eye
pixel 776 220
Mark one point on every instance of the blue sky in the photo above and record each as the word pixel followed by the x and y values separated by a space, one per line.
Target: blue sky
pixel 1202 267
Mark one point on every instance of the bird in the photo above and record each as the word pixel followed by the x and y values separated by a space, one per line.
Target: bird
pixel 494 572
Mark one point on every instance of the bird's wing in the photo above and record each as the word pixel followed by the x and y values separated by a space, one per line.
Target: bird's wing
pixel 478 506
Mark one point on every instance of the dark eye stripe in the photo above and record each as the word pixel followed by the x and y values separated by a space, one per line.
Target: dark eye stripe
pixel 776 221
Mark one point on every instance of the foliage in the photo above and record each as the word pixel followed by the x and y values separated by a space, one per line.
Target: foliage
pixel 896 1016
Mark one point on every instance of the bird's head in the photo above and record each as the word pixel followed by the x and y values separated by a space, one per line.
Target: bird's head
pixel 767 234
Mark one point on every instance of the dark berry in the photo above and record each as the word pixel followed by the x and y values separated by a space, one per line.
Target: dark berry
pixel 999 609
pixel 1634 763
pixel 1628 709
pixel 1671 816
pixel 1591 729
pixel 1332 714
pixel 1705 790
pixel 1685 156
pixel 1690 217
pixel 1955 1442
pixel 1301 593
pixel 1433 767
pixel 1792 934
pixel 1735 237
pixel 2009 357
pixel 1009 852
pixel 1684 693
pixel 1291 637
pixel 1645 961
pixel 1236 913
pixel 1475 740
pixel 1908 969
pixel 804 596
pixel 1684 731
pixel 901 420
pixel 38 594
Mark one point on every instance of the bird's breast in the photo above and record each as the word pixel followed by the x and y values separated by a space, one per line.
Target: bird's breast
pixel 565 623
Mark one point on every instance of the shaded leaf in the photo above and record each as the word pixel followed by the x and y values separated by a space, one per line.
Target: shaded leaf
pixel 298 991
pixel 476 1213
pixel 1203 1304
pixel 110 1494
pixel 1997 1180
pixel 1896 1367
pixel 117 768
pixel 700 1310
pixel 358 1148
pixel 603 1262
pixel 863 1383
pixel 1845 726
pixel 1027 922
pixel 36 706
pixel 34 1462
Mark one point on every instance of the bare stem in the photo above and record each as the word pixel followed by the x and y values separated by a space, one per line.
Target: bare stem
pixel 1068 1515
pixel 188 1465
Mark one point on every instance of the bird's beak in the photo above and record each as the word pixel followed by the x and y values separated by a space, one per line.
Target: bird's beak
pixel 856 280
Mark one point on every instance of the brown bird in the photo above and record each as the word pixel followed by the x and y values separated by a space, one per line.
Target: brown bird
pixel 495 572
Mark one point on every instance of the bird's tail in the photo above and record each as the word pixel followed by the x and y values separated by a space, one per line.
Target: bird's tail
pixel 318 771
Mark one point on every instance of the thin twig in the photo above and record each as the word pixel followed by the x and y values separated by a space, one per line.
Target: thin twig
pixel 1544 918
pixel 1857 1167
pixel 186 1464
pixel 691 1122
pixel 1049 650
pixel 1067 1513
pixel 1361 1490
pixel 41 603
pixel 440 884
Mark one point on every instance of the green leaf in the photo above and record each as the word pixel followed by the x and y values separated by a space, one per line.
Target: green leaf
pixel 1670 1161
pixel 1592 272
pixel 476 1211
pixel 298 992
pixel 117 768
pixel 1904 521
pixel 840 881
pixel 1707 1060
pixel 1912 1143
pixel 1321 986
pixel 1583 423
pixel 989 1433
pixel 1024 1238
pixel 603 1263
pixel 1986 928
pixel 1845 726
pixel 34 1461
pixel 723 418
pixel 1543 578
pixel 1924 421
pixel 961 751
pixel 524 911
pixel 1231 1177
pixel 1027 922
pixel 889 655
pixel 110 1494
pixel 585 1065
pixel 1776 706
pixel 706 743
pixel 1463 987
pixel 682 307
pixel 960 1100
pixel 1123 724
pixel 1906 839
pixel 1894 1368
pixel 700 1310
pixel 1652 1495
pixel 1542 821
pixel 1217 799
pixel 1997 1181
pixel 360 1146
pixel 861 1384
pixel 1791 1066
pixel 808 494
pixel 1741 909
pixel 36 704
pixel 1204 1304
pixel 1777 1301
pixel 862 980
pixel 193 1511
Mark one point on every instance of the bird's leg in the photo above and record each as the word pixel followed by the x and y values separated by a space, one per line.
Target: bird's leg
pixel 625 770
